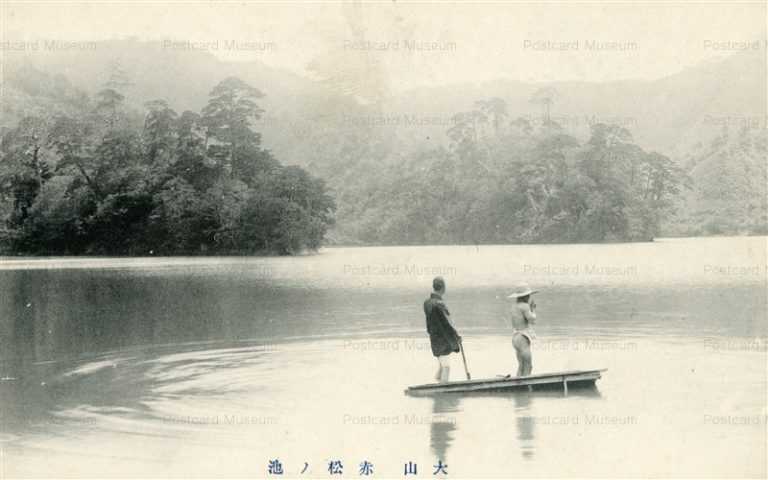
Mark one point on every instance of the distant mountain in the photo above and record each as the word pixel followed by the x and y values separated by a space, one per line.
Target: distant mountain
pixel 182 78
pixel 334 135
pixel 29 91
pixel 659 113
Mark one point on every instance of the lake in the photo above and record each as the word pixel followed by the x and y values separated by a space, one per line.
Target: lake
pixel 213 367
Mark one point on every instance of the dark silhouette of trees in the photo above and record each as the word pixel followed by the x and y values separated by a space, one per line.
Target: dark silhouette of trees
pixel 104 182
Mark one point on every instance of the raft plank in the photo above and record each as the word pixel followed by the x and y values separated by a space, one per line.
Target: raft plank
pixel 574 378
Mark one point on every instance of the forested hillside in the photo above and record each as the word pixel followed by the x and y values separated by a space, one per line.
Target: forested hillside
pixel 81 175
pixel 502 180
pixel 731 194
pixel 499 162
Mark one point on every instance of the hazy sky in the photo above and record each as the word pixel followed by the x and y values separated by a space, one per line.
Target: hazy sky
pixel 474 41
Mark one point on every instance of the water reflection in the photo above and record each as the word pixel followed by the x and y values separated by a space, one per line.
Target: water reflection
pixel 526 424
pixel 525 420
pixel 62 315
pixel 443 424
pixel 102 357
pixel 130 382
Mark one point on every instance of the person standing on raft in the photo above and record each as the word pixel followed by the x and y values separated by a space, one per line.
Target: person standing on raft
pixel 523 318
pixel 442 336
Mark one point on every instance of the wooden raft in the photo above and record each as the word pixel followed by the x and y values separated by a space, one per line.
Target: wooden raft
pixel 539 381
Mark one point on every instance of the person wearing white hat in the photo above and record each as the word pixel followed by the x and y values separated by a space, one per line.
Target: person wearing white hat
pixel 523 318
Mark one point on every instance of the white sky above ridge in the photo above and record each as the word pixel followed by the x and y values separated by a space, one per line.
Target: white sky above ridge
pixel 466 42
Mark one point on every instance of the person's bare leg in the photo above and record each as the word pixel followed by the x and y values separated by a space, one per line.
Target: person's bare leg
pixel 439 373
pixel 527 358
pixel 444 372
pixel 523 349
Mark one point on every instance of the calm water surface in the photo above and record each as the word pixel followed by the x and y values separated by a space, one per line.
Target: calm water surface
pixel 211 367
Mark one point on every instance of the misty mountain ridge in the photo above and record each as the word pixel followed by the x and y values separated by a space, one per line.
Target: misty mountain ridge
pixel 658 113
pixel 325 127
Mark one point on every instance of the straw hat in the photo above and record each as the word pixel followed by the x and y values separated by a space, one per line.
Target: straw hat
pixel 522 290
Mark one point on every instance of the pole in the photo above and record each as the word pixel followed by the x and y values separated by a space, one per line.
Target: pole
pixel 464 359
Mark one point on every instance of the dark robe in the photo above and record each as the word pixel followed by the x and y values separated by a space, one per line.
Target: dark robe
pixel 442 335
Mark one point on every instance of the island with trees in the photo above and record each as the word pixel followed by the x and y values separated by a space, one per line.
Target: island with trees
pixel 104 179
